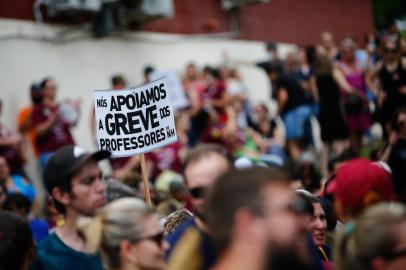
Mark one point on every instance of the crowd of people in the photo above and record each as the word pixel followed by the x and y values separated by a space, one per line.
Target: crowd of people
pixel 244 187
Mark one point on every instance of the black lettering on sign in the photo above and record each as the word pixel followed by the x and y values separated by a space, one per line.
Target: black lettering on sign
pixel 120 101
pixel 110 126
pixel 121 123
pixel 131 122
pixel 147 139
pixel 143 100
pixel 101 102
pixel 134 143
pixel 113 105
pixel 164 112
pixel 150 94
pixel 153 116
pixel 134 121
pixel 162 91
pixel 130 102
pixel 127 144
pixel 100 125
pixel 102 144
pixel 162 133
pixel 170 132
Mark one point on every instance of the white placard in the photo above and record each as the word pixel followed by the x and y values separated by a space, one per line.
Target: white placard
pixel 134 121
pixel 176 92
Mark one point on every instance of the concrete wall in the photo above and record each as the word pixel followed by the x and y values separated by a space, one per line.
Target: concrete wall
pixel 84 64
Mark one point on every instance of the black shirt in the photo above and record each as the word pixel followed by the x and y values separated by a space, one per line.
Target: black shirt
pixel 297 96
pixel 397 162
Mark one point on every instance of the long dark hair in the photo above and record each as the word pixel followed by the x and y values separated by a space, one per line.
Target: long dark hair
pixel 16 241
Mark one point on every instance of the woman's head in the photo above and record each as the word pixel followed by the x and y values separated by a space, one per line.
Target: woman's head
pixel 391 50
pixel 191 71
pixel 348 48
pixel 48 88
pixel 399 122
pixel 128 233
pixel 377 240
pixel 261 111
pixel 318 223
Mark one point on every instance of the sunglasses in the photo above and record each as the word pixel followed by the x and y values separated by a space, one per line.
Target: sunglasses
pixel 157 238
pixel 401 124
pixel 197 192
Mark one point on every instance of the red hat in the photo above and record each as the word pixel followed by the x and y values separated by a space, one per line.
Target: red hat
pixel 355 178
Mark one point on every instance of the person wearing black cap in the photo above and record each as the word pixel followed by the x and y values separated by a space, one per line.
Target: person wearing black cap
pixel 73 179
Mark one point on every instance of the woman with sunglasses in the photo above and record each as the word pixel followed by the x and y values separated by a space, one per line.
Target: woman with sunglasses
pixel 128 235
pixel 375 241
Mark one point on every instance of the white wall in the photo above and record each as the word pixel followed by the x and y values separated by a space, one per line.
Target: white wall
pixel 82 64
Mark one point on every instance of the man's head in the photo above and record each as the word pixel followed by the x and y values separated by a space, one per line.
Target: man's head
pixel 271 47
pixel 252 207
pixel 358 184
pixel 36 93
pixel 118 82
pixel 202 167
pixel 18 204
pixel 292 61
pixel 73 179
pixel 148 70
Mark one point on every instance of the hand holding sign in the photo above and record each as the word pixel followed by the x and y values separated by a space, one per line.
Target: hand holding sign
pixel 135 121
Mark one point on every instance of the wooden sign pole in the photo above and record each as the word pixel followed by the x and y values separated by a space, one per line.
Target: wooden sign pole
pixel 144 172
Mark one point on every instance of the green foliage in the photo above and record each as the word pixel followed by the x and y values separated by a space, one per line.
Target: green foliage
pixel 385 11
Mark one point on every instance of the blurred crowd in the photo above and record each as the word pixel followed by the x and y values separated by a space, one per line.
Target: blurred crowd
pixel 246 186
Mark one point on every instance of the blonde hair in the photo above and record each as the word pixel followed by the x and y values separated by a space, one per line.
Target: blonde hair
pixel 176 218
pixel 119 220
pixel 371 236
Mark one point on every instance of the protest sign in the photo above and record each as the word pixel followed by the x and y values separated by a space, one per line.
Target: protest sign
pixel 134 121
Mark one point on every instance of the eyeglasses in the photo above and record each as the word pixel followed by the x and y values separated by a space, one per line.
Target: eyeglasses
pixel 157 238
pixel 197 192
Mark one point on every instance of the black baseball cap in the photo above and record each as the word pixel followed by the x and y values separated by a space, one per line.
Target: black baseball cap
pixel 66 161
